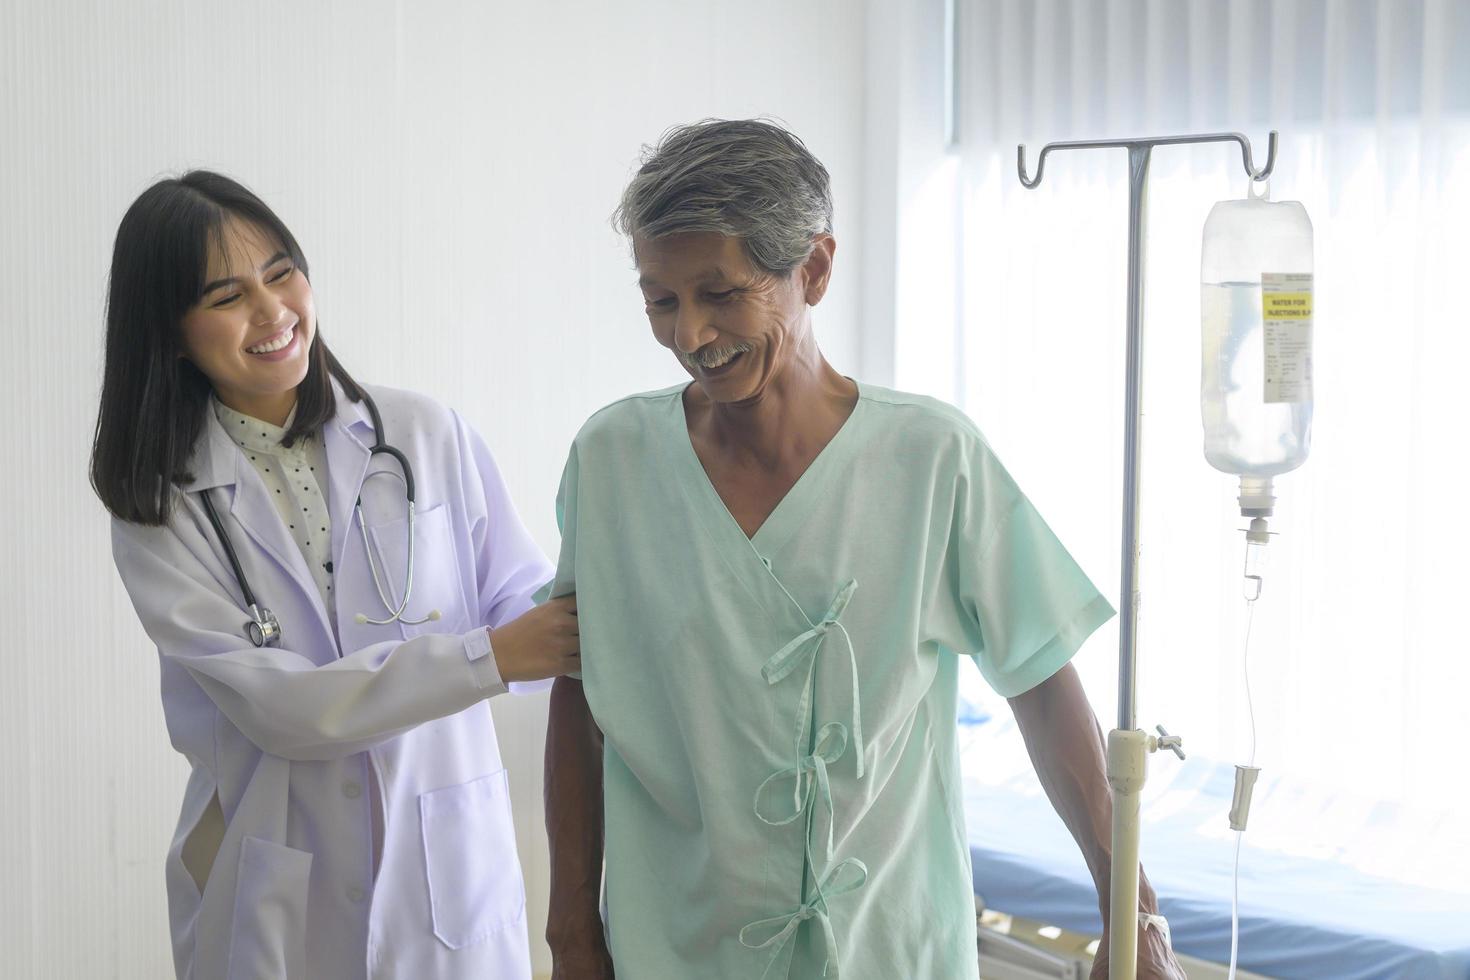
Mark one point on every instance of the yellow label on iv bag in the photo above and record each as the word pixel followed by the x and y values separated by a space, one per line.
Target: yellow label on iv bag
pixel 1285 306
pixel 1286 309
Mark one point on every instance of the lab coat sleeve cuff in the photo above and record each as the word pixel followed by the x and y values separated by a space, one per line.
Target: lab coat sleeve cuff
pixel 482 661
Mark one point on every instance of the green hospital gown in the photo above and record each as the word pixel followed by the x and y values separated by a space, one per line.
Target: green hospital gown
pixel 781 781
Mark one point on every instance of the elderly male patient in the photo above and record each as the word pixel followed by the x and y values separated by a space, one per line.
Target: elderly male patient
pixel 778 571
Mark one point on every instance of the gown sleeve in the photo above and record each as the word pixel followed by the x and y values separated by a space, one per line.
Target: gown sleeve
pixel 1023 607
pixel 564 582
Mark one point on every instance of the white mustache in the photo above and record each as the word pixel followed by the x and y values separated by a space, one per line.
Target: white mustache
pixel 709 358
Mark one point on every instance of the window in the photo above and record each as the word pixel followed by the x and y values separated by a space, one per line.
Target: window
pixel 1360 665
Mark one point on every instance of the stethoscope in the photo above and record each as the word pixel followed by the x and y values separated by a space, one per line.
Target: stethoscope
pixel 263 629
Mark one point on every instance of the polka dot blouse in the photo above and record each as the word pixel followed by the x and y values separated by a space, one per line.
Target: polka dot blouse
pixel 296 480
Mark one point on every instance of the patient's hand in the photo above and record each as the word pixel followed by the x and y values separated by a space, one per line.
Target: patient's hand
pixel 590 962
pixel 1155 959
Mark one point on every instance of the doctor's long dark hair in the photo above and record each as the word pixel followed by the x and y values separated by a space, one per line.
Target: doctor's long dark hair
pixel 153 400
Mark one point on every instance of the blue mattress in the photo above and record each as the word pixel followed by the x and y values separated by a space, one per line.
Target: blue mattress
pixel 1301 916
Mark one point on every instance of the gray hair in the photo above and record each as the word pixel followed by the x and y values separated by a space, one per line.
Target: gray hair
pixel 748 178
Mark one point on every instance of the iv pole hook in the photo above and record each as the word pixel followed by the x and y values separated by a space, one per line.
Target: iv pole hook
pixel 1247 156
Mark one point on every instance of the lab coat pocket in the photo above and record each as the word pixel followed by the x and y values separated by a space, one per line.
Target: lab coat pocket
pixel 436 580
pixel 268 930
pixel 475 886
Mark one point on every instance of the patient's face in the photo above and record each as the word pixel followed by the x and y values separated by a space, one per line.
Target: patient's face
pixel 731 325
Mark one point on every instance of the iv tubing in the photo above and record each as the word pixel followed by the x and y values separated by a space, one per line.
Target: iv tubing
pixel 1250 615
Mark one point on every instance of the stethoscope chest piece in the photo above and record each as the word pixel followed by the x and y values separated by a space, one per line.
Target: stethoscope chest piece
pixel 263 628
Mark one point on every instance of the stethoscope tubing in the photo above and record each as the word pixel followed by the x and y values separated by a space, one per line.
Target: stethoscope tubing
pixel 224 539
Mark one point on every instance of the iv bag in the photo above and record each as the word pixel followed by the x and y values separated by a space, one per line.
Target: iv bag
pixel 1256 369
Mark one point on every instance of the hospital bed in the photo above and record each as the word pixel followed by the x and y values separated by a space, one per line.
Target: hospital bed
pixel 1306 910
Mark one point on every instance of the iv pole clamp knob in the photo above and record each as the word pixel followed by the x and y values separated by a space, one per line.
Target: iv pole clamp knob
pixel 1167 742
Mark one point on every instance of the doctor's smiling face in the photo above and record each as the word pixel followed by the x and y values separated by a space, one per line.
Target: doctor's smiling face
pixel 252 327
pixel 733 326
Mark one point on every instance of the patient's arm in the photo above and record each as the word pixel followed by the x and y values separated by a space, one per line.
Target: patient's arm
pixel 1067 748
pixel 574 827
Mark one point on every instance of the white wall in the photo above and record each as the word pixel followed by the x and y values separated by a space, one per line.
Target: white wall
pixel 911 194
pixel 449 168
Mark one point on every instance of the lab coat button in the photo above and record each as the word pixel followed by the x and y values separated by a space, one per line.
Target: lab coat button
pixel 351 789
pixel 355 893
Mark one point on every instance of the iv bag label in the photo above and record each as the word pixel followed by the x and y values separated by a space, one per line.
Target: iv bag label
pixel 1286 309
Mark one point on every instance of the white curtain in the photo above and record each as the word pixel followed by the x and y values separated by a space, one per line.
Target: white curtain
pixel 1360 663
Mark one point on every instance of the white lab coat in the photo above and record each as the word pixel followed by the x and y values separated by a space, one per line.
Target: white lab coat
pixel 290 738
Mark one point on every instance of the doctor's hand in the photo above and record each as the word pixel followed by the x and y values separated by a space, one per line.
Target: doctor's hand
pixel 542 643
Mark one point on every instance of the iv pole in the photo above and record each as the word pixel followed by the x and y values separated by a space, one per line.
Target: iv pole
pixel 1128 747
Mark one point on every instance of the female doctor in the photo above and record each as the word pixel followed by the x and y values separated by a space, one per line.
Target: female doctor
pixel 337 583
